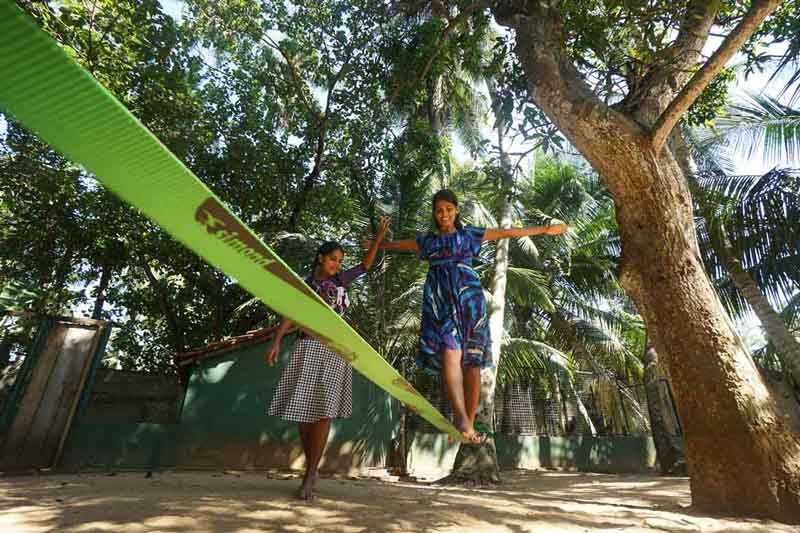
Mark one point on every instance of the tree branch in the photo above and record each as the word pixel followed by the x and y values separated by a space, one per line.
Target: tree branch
pixel 108 29
pixel 298 83
pixel 692 90
pixel 311 177
pixel 676 63
pixel 694 30
pixel 555 84
pixel 523 155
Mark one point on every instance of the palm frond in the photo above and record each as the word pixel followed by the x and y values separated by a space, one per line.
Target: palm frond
pixel 17 295
pixel 526 358
pixel 708 149
pixel 482 216
pixel 791 313
pixel 602 341
pixel 469 115
pixel 528 248
pixel 758 124
pixel 760 217
pixel 529 287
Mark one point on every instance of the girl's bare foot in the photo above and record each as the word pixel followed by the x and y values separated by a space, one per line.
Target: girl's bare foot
pixel 467 431
pixel 471 436
pixel 306 490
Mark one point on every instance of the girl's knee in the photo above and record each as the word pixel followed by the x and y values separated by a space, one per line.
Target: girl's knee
pixel 472 371
pixel 451 357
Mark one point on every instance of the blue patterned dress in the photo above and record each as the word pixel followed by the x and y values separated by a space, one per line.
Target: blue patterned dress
pixel 453 305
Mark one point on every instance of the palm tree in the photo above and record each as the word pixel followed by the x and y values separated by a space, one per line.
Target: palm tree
pixel 564 309
pixel 749 231
pixel 443 90
pixel 435 78
pixel 767 356
pixel 570 313
pixel 564 292
pixel 448 99
pixel 749 228
pixel 477 463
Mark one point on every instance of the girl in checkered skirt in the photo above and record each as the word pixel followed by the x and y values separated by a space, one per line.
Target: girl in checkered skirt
pixel 317 385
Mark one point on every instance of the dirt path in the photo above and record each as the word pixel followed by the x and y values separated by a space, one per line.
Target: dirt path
pixel 249 502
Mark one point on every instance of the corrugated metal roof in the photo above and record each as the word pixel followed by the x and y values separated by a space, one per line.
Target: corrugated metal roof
pixel 183 359
pixel 190 357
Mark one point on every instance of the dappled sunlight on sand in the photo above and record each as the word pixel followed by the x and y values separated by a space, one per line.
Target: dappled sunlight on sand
pixel 539 501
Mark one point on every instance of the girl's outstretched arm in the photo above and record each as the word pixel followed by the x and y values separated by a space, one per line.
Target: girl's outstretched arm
pixel 504 233
pixel 374 246
pixel 407 245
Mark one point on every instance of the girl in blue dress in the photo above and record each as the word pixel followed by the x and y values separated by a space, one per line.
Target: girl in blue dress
pixel 454 337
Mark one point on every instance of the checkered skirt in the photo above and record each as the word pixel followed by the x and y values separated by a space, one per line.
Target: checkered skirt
pixel 315 384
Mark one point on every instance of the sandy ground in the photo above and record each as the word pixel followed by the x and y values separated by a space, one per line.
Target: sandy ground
pixel 539 501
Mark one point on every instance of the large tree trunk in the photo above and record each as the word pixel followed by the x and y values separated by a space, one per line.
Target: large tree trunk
pixel 743 452
pixel 721 396
pixel 670 456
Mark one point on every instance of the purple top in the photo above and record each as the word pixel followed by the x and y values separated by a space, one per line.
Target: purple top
pixel 334 290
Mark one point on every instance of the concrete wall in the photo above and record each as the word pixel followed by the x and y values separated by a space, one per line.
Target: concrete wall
pixel 223 424
pixel 224 421
pixel 118 396
pixel 432 456
pixel 130 420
